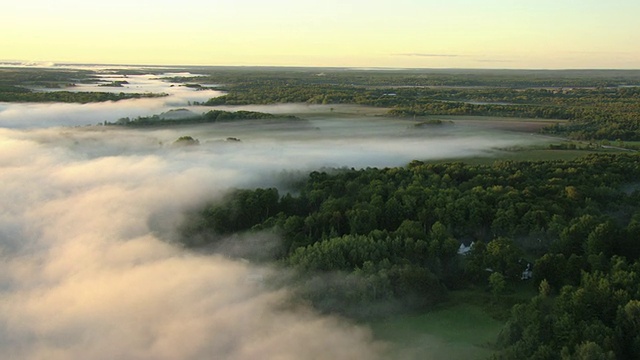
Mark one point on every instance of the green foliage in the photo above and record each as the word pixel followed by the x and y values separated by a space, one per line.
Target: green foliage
pixel 496 204
pixel 186 140
pixel 544 288
pixel 208 117
pixel 68 97
pixel 503 256
pixel 593 113
pixel 518 79
pixel 43 77
pixel 13 89
pixel 597 319
pixel 395 232
pixel 239 211
pixel 497 284
pixel 119 83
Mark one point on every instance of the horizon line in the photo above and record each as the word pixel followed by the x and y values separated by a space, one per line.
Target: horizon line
pixel 54 64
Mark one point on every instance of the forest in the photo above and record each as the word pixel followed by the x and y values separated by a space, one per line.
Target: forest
pixel 44 77
pixel 9 94
pixel 395 235
pixel 208 117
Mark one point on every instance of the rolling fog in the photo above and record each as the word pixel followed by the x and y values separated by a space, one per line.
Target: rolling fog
pixel 37 115
pixel 87 271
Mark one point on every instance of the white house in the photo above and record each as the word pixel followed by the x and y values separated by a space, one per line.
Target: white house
pixel 464 250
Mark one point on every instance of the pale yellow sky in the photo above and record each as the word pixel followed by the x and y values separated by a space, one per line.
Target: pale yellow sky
pixel 398 33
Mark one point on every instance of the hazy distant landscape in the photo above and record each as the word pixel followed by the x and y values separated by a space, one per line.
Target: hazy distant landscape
pixel 243 213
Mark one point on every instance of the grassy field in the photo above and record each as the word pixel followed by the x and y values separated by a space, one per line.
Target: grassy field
pixel 526 155
pixel 526 125
pixel 533 153
pixel 464 327
pixel 460 331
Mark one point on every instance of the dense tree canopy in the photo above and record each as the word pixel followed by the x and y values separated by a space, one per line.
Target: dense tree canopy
pixel 397 231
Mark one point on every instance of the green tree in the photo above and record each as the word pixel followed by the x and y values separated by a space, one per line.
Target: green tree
pixel 504 257
pixel 589 350
pixel 497 284
pixel 544 289
pixel 603 239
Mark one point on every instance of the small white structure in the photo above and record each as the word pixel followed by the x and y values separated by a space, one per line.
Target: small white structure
pixel 464 250
pixel 527 273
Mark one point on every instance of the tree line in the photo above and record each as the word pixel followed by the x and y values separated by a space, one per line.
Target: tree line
pixel 45 77
pixel 17 94
pixel 208 117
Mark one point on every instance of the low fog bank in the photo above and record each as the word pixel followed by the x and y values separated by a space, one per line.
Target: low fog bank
pixel 37 115
pixel 84 276
pixel 259 149
pixel 303 109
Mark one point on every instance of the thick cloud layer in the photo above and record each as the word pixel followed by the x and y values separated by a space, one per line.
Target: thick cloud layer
pixel 86 270
pixel 84 276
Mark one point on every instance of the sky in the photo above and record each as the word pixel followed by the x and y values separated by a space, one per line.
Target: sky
pixel 542 34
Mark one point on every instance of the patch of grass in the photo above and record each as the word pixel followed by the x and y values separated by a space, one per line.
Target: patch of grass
pixel 464 327
pixel 544 154
pixel 527 154
pixel 460 331
pixel 523 155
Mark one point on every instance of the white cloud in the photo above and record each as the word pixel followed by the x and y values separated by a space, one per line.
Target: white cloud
pixel 84 276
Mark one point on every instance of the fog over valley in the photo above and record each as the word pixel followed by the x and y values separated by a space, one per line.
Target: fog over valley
pixel 28 115
pixel 84 274
pixel 88 214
